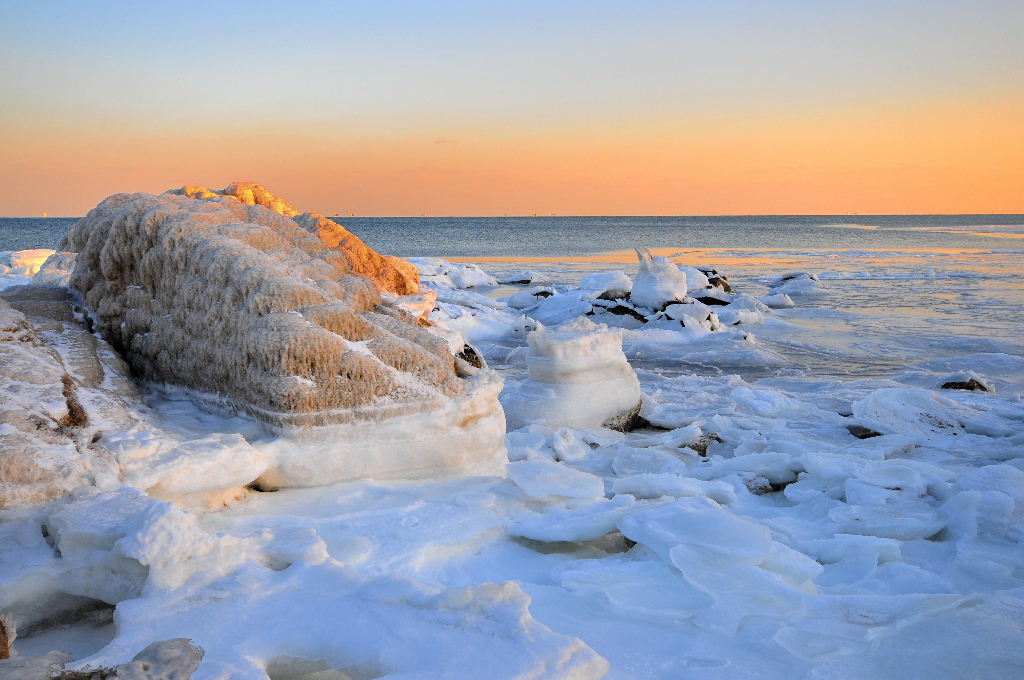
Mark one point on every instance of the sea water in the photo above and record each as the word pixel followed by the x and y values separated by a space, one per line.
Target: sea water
pixel 898 289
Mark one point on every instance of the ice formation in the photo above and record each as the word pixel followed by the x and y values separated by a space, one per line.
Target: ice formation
pixel 238 297
pixel 774 521
pixel 579 377
pixel 658 283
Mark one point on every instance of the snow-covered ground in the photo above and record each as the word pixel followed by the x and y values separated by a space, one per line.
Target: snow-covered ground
pixel 802 499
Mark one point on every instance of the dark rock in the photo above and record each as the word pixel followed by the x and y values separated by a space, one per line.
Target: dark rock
pixel 761 485
pixel 703 442
pixel 471 356
pixel 971 385
pixel 720 282
pixel 861 432
pixel 708 300
pixel 623 310
pixel 6 637
pixel 543 293
pixel 627 421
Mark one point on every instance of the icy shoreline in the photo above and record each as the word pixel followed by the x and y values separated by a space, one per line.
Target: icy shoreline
pixel 781 524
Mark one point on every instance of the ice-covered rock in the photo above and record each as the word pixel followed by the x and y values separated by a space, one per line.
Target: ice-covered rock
pixel 778 301
pixel 607 285
pixel 967 380
pixel 239 298
pixel 796 284
pixel 658 283
pixel 579 377
pixel 419 305
pixel 560 307
pixel 695 278
pixel 914 412
pixel 695 315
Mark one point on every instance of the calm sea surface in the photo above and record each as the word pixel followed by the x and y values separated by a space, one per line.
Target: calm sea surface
pixel 898 289
pixel 572 236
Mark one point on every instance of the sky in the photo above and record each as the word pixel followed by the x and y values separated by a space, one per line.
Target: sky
pixel 492 108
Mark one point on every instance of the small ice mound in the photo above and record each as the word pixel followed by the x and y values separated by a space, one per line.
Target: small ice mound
pixel 558 308
pixel 797 283
pixel 778 301
pixel 117 545
pixel 607 285
pixel 248 304
pixel 444 274
pixel 910 411
pixel 579 377
pixel 658 283
pixel 695 278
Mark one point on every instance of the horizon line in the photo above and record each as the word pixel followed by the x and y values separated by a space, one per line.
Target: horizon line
pixel 538 215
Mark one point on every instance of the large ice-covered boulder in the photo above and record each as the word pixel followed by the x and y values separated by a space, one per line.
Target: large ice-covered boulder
pixel 248 303
pixel 579 377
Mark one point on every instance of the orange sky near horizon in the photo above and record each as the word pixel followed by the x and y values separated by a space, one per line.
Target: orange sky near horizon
pixel 581 107
pixel 919 157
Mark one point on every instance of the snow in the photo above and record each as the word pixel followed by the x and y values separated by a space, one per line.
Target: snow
pixel 750 532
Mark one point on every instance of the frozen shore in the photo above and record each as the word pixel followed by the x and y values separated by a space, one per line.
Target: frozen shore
pixel 765 519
